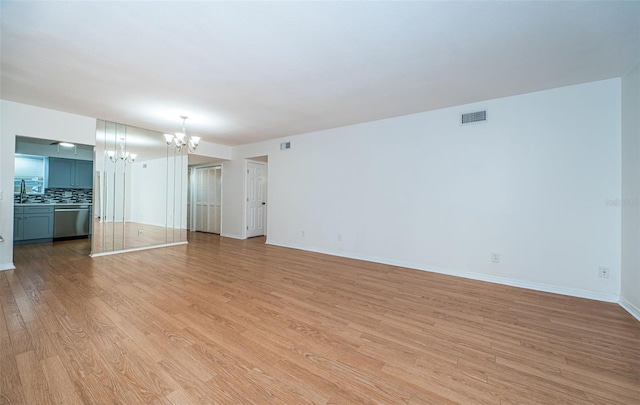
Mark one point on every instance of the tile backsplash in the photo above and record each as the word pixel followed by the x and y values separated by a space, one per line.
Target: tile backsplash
pixel 59 195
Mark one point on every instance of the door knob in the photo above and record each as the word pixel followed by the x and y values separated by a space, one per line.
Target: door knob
pixel 264 203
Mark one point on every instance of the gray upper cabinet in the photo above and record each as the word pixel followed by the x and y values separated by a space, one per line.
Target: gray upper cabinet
pixel 84 174
pixel 61 172
pixel 70 173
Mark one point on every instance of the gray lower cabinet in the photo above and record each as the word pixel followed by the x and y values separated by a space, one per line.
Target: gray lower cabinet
pixel 18 227
pixel 33 224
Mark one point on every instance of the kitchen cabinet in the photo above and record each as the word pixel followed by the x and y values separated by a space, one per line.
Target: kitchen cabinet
pixel 18 228
pixel 84 174
pixel 70 173
pixel 33 224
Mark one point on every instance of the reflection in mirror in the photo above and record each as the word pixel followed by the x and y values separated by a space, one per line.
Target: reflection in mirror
pixel 140 190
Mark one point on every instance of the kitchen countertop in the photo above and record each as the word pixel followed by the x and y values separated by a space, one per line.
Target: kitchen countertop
pixel 51 203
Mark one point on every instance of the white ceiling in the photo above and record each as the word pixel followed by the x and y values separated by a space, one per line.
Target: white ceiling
pixel 249 71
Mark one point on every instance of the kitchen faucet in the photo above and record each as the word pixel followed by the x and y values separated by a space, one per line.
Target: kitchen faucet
pixel 23 191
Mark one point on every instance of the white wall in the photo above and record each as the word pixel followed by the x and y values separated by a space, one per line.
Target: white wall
pixel 149 192
pixel 630 295
pixel 233 179
pixel 422 191
pixel 82 153
pixel 233 187
pixel 35 122
pixel 158 193
pixel 214 150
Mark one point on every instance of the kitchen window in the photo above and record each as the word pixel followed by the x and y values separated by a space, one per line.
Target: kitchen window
pixel 31 169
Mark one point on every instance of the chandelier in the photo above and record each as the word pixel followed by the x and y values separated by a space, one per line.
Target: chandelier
pixel 121 154
pixel 181 139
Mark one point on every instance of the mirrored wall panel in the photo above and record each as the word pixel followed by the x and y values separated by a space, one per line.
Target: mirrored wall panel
pixel 140 190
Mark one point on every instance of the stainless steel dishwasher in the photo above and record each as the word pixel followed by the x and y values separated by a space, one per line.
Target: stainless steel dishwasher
pixel 71 221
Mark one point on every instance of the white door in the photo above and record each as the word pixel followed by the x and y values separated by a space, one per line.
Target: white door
pixel 207 202
pixel 256 198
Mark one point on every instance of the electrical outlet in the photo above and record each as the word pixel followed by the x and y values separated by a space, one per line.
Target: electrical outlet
pixel 339 237
pixel 495 257
pixel 303 234
pixel 603 272
pixel 140 232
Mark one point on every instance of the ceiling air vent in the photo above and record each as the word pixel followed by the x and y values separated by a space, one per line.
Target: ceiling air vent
pixel 472 117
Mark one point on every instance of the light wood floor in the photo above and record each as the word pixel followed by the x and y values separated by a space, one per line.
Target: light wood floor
pixel 238 322
pixel 114 236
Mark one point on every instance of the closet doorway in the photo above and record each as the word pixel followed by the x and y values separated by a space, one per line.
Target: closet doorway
pixel 207 199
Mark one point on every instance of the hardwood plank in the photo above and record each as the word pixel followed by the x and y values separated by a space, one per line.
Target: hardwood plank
pixel 41 340
pixel 11 389
pixel 36 390
pixel 17 330
pixel 229 321
pixel 182 397
pixel 60 384
pixel 22 301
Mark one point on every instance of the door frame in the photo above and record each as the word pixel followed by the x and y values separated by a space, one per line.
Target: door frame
pixel 245 168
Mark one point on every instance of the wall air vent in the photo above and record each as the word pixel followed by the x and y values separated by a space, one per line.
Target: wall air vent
pixel 473 117
pixel 285 145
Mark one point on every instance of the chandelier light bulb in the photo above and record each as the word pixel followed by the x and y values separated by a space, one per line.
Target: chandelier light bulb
pixel 181 139
pixel 123 155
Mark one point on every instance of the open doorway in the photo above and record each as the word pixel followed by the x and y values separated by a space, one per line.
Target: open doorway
pixel 53 187
pixel 206 199
pixel 205 194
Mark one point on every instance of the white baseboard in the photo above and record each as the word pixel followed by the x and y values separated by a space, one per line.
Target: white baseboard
pixel 573 292
pixel 7 266
pixel 232 235
pixel 115 252
pixel 630 308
